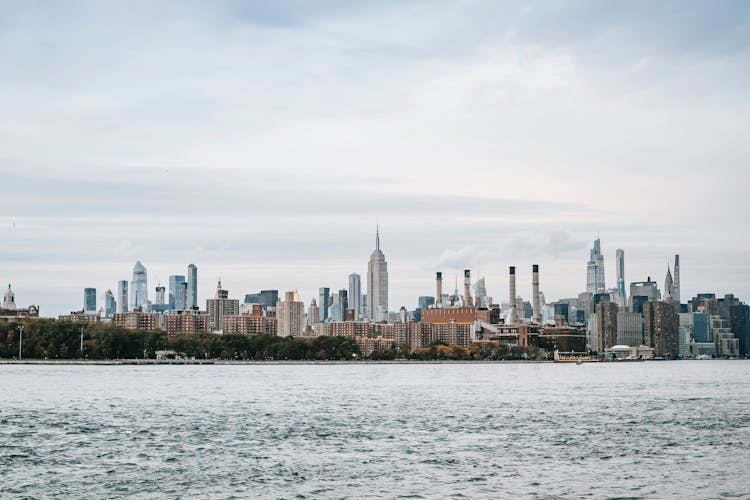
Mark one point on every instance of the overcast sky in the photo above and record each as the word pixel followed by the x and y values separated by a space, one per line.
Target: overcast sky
pixel 263 141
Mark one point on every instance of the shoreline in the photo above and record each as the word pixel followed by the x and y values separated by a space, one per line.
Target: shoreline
pixel 225 362
pixel 143 362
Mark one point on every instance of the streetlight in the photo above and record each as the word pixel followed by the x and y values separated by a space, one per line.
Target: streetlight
pixel 20 341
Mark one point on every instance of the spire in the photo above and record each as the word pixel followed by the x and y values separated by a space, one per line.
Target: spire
pixel 377 237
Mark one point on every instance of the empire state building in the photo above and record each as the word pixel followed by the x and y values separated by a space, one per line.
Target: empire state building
pixel 377 284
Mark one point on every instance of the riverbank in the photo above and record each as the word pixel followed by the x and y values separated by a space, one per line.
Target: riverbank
pixel 251 362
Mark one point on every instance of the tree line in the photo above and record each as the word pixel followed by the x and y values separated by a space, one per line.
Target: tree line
pixel 54 339
pixel 51 339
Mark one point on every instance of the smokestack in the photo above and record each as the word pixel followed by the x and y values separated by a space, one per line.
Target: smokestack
pixel 513 316
pixel 535 292
pixel 439 291
pixel 676 280
pixel 467 289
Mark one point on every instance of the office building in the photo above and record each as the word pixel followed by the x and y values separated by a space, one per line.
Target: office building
pixel 324 302
pixel 377 284
pixel 629 329
pixel 355 295
pixel 313 313
pixel 139 286
pixel 89 300
pixel 160 293
pixel 604 334
pixel 122 297
pixel 595 270
pixel 661 328
pixel 110 304
pixel 192 287
pixel 176 302
pixel 620 263
pixel 290 315
pixel 740 325
pixel 269 298
pixel 218 307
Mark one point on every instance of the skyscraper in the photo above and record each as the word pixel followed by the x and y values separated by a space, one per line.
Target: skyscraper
pixel 110 305
pixel 122 297
pixel 668 286
pixel 661 328
pixel 159 298
pixel 192 289
pixel 139 286
pixel 218 307
pixel 290 315
pixel 313 313
pixel 343 300
pixel 676 284
pixel 176 302
pixel 355 295
pixel 324 302
pixel 89 300
pixel 377 284
pixel 595 270
pixel 620 257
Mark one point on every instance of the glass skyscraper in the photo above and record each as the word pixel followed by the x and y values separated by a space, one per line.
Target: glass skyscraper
pixel 176 297
pixel 122 296
pixel 89 300
pixel 139 286
pixel 192 289
pixel 595 270
pixel 110 305
pixel 355 295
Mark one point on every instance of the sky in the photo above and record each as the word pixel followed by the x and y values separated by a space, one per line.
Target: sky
pixel 264 141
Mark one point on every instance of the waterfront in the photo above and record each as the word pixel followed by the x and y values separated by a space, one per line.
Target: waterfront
pixel 539 430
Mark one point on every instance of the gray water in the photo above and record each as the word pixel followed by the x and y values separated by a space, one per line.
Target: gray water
pixel 635 430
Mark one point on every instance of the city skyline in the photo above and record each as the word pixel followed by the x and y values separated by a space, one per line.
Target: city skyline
pixel 503 134
pixel 140 273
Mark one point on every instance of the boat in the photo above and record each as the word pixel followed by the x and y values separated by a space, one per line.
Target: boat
pixel 574 357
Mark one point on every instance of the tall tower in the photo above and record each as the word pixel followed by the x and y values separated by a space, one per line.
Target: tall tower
pixel 122 296
pixel 620 256
pixel 324 302
pixel 595 270
pixel 290 315
pixel 176 303
pixel 139 286
pixel 377 283
pixel 192 289
pixel 355 295
pixel 676 284
pixel 89 300
pixel 110 304
pixel 668 286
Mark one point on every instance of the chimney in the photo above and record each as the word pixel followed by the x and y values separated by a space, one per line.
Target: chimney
pixel 467 289
pixel 535 292
pixel 513 316
pixel 439 291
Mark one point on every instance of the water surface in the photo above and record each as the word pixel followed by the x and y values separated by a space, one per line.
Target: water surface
pixel 623 430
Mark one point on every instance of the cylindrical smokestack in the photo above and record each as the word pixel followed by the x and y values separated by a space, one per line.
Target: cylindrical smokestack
pixel 513 315
pixel 535 292
pixel 467 289
pixel 439 291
